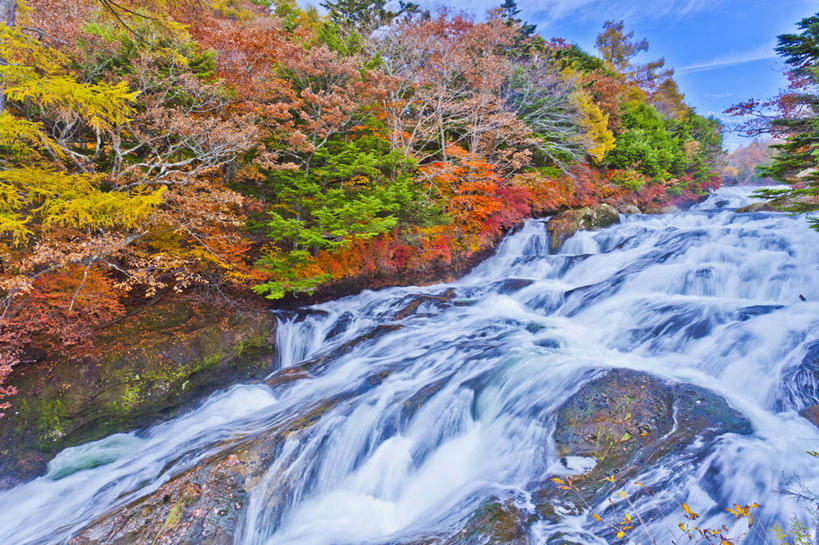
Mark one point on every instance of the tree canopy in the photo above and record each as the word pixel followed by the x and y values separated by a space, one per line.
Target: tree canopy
pixel 232 147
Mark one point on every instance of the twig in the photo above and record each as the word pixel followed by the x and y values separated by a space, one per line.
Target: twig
pixel 82 283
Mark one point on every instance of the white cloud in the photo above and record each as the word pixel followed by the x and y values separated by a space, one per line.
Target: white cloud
pixel 551 11
pixel 619 9
pixel 758 54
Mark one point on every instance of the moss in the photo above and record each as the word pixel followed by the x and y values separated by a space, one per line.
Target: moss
pixel 147 367
pixel 175 516
pixel 497 522
pixel 212 359
pixel 131 397
pixel 50 423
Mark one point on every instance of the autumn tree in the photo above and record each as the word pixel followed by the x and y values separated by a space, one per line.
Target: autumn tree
pixel 797 111
pixel 52 219
pixel 618 48
pixel 109 182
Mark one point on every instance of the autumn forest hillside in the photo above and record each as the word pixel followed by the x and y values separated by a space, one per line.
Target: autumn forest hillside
pixel 233 150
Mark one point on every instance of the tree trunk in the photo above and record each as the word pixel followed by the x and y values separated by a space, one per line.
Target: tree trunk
pixel 8 15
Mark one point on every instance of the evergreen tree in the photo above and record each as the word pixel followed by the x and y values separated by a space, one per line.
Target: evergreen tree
pixel 797 159
pixel 510 12
pixel 361 15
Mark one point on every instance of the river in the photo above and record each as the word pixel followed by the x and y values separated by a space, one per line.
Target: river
pixel 707 297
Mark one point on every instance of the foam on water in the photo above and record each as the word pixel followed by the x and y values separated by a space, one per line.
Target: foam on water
pixel 455 403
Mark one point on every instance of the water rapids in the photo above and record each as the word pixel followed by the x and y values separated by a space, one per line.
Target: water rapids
pixel 706 297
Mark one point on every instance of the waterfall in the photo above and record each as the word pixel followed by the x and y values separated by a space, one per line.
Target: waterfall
pixel 430 400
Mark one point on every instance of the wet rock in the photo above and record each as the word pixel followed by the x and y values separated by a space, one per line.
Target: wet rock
pixel 798 203
pixel 146 368
pixel 496 522
pixel 626 417
pixel 629 421
pixel 340 326
pixel 205 504
pixel 761 206
pixel 416 301
pixel 812 414
pixel 628 208
pixel 511 285
pixel 801 384
pixel 414 403
pixel 318 365
pixel 554 344
pixel 565 224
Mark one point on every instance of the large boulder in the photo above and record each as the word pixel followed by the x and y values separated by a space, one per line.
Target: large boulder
pixel 798 203
pixel 619 423
pixel 145 368
pixel 626 422
pixel 205 504
pixel 626 416
pixel 563 225
pixel 801 385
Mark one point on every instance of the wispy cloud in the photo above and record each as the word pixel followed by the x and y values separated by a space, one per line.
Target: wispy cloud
pixel 761 53
pixel 543 13
pixel 611 9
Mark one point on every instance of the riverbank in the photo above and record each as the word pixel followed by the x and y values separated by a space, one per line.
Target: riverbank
pixel 165 356
pixel 668 351
pixel 144 368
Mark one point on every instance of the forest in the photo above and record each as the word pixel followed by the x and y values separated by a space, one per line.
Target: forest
pixel 226 147
pixel 581 337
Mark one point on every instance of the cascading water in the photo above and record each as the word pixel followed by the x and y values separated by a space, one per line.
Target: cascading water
pixel 418 419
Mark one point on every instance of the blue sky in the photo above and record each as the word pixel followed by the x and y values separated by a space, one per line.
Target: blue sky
pixel 722 49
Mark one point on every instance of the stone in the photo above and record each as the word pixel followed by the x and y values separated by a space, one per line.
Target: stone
pixel 563 225
pixel 145 368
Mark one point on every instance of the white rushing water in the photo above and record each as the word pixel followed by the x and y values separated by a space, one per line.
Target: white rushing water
pixel 726 301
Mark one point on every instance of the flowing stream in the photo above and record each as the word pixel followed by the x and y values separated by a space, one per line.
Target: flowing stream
pixel 706 297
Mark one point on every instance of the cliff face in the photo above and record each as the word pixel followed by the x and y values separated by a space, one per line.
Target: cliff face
pixel 144 369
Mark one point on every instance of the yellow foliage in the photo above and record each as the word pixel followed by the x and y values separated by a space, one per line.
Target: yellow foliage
pixel 599 139
pixel 36 193
pixel 232 8
pixel 34 72
pixel 21 136
pixel 32 196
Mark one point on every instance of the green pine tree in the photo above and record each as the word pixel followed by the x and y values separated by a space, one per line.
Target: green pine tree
pixel 797 159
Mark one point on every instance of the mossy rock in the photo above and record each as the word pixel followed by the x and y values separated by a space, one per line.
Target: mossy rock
pixel 797 203
pixel 616 416
pixel 761 206
pixel 144 368
pixel 628 421
pixel 628 208
pixel 495 522
pixel 565 224
pixel 205 504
